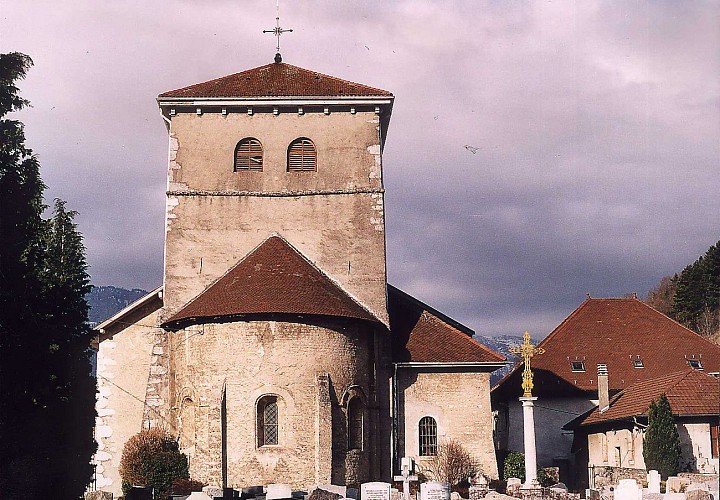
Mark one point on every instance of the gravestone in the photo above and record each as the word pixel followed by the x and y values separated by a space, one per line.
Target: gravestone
pixel 628 489
pixel 278 491
pixel 592 494
pixel 322 494
pixel 252 491
pixel 479 487
pixel 698 495
pixel 375 491
pixel 455 496
pixel 139 493
pixel 98 495
pixel 395 494
pixel 333 488
pixel 352 493
pixel 653 480
pixel 513 485
pixel 676 484
pixel 434 490
pixel 213 491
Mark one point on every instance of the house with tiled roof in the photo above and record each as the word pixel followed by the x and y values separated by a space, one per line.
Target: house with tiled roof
pixel 275 350
pixel 632 343
pixel 613 435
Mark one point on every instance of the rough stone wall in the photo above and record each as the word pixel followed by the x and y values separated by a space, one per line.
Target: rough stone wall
pixel 309 366
pixel 216 216
pixel 460 404
pixel 123 366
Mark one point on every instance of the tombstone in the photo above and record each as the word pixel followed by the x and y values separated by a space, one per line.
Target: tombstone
pixel 513 485
pixel 98 495
pixel 628 489
pixel 698 495
pixel 676 484
pixel 333 488
pixel 213 491
pixel 455 496
pixel 323 494
pixel 395 494
pixel 559 487
pixel 478 488
pixel 199 495
pixel 252 491
pixel 653 480
pixel 434 490
pixel 139 493
pixel 375 491
pixel 278 491
pixel 353 493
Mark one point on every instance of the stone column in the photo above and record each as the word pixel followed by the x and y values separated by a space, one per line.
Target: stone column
pixel 529 441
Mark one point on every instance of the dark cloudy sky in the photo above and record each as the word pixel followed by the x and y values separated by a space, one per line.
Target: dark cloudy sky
pixel 593 130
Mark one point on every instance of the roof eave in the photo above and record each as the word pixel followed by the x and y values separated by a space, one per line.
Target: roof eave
pixel 276 100
pixel 130 308
pixel 485 365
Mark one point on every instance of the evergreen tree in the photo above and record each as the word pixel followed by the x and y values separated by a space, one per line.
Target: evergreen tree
pixel 47 390
pixel 661 446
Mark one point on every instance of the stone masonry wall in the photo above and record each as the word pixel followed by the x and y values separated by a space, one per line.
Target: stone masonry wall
pixel 308 366
pixel 123 367
pixel 334 216
pixel 460 404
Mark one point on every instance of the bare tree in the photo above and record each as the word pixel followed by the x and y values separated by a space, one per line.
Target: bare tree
pixel 453 464
pixel 708 324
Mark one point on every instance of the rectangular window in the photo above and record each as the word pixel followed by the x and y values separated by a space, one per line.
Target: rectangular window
pixel 577 366
pixel 695 363
pixel 715 439
pixel 638 363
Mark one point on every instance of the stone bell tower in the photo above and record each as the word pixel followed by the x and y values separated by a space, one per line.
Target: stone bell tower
pixel 276 150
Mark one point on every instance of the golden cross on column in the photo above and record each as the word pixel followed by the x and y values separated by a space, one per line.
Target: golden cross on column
pixel 527 351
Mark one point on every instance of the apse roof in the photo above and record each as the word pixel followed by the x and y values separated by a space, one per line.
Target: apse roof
pixel 276 80
pixel 273 278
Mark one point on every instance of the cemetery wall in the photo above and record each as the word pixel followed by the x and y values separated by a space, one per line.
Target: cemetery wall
pixel 123 364
pixel 216 216
pixel 460 404
pixel 312 368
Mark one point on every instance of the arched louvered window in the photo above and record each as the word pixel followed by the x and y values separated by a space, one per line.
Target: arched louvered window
pixel 302 156
pixel 427 437
pixel 355 418
pixel 268 421
pixel 249 155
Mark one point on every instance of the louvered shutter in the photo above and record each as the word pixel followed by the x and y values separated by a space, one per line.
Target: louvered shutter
pixel 302 156
pixel 249 155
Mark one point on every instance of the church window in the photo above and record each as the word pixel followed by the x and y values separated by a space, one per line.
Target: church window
pixel 427 437
pixel 302 156
pixel 268 420
pixel 355 417
pixel 249 155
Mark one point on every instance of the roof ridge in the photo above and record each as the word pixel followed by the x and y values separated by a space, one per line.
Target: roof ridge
pixel 450 321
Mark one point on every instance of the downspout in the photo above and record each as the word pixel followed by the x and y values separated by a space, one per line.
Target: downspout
pixel 395 422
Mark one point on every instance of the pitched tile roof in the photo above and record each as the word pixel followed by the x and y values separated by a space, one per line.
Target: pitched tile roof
pixel 422 334
pixel 276 80
pixel 614 332
pixel 273 278
pixel 690 392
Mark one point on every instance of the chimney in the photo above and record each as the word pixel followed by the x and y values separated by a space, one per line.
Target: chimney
pixel 603 395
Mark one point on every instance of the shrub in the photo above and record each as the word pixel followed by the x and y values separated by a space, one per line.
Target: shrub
pixel 152 458
pixel 661 445
pixel 514 466
pixel 453 464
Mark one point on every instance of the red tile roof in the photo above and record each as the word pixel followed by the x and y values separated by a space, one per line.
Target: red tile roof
pixel 422 334
pixel 276 80
pixel 273 278
pixel 690 392
pixel 614 332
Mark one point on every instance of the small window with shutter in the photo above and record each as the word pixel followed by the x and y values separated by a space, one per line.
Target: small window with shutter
pixel 302 156
pixel 249 155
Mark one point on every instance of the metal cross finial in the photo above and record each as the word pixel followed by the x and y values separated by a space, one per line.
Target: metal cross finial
pixel 277 31
pixel 527 351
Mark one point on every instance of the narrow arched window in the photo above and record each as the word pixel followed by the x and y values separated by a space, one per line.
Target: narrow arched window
pixel 249 155
pixel 302 156
pixel 355 419
pixel 427 437
pixel 268 420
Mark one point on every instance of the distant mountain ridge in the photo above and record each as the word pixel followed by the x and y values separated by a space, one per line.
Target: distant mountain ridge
pixel 104 301
pixel 502 344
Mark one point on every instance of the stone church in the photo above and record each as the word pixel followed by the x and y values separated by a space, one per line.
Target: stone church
pixel 275 350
